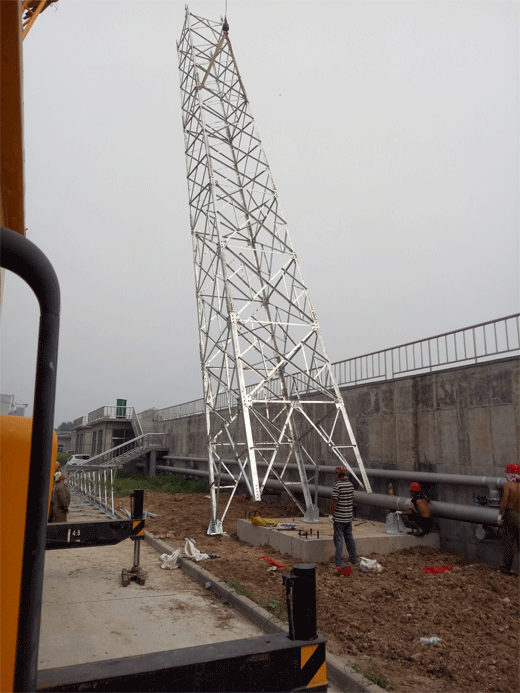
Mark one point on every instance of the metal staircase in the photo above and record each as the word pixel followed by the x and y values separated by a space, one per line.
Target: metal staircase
pixel 126 452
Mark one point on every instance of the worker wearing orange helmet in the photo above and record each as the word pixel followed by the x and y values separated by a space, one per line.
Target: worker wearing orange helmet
pixel 509 514
pixel 418 516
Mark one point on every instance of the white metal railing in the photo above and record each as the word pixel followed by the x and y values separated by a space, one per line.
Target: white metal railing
pixel 465 346
pixel 123 413
pixel 136 424
pixel 474 344
pixel 116 456
pixel 96 485
pixel 82 421
pixel 196 406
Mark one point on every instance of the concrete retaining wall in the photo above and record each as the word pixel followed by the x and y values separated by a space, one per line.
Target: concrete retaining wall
pixel 463 420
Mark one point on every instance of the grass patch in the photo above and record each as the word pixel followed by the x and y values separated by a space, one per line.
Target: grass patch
pixel 125 483
pixel 275 606
pixel 239 589
pixel 372 673
pixel 278 609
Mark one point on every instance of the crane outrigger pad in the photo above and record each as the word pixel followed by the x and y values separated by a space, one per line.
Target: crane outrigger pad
pixel 265 663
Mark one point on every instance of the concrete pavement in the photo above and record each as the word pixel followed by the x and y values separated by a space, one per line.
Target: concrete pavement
pixel 88 616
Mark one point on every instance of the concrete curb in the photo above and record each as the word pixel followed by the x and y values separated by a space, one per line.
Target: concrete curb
pixel 338 673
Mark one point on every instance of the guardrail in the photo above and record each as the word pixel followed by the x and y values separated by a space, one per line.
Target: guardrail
pixel 136 424
pixel 118 455
pixel 474 344
pixel 196 406
pixel 123 413
pixel 82 421
pixel 96 485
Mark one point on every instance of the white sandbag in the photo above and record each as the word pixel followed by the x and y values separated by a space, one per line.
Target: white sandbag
pixel 170 561
pixel 194 553
pixel 395 524
pixel 370 565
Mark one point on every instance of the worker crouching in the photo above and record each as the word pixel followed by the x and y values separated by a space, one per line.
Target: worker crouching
pixel 418 517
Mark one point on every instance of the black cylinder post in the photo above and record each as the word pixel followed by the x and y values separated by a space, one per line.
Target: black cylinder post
pixel 304 601
pixel 137 504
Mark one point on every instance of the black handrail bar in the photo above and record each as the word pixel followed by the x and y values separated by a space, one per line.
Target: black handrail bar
pixel 19 255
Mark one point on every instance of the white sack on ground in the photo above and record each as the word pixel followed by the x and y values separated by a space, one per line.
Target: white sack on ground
pixel 170 561
pixel 192 552
pixel 370 565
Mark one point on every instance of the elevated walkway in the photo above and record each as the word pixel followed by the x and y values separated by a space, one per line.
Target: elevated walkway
pixel 318 547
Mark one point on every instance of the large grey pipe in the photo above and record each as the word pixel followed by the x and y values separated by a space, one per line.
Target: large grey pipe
pixel 433 477
pixel 450 511
pixel 491 482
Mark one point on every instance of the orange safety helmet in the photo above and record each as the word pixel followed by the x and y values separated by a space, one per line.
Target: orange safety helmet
pixel 414 486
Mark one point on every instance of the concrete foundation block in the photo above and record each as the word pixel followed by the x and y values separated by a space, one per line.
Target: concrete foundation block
pixel 255 535
pixel 370 538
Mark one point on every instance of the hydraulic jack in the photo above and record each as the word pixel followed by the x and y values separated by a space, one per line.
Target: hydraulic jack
pixel 135 572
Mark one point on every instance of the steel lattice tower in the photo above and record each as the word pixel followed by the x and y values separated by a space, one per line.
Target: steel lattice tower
pixel 267 379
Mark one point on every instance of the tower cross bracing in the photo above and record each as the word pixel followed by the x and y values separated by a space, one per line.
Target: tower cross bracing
pixel 267 380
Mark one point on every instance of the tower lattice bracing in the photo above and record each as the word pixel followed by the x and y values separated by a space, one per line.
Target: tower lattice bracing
pixel 268 383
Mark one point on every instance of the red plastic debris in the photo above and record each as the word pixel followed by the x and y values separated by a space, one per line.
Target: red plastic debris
pixel 278 565
pixel 438 569
pixel 344 571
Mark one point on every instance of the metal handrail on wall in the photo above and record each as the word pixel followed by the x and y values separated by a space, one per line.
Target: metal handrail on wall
pixel 474 344
pixel 465 346
pixel 177 411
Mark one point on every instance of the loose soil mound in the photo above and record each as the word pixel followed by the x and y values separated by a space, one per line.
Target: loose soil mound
pixel 373 622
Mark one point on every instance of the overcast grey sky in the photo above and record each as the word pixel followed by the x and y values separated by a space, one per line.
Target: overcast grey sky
pixel 392 131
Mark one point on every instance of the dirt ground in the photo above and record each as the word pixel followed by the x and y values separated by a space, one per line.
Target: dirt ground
pixel 373 622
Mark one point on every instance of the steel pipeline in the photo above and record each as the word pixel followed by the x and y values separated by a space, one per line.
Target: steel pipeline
pixel 450 511
pixel 391 474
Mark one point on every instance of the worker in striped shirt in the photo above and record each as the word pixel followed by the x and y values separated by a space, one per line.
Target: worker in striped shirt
pixel 341 513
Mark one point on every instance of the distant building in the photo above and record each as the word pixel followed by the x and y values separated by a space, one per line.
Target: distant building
pixel 65 441
pixel 9 407
pixel 103 429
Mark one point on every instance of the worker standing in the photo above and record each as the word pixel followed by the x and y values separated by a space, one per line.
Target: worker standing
pixel 341 513
pixel 61 500
pixel 508 518
pixel 418 517
pixel 55 478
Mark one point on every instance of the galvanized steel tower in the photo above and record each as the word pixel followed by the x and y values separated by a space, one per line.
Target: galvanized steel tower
pixel 267 379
